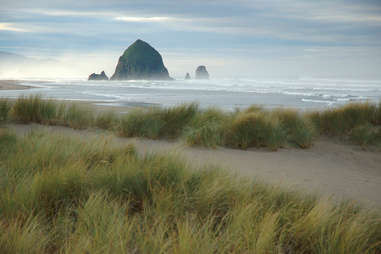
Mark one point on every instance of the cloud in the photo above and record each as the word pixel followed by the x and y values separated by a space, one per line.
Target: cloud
pixel 11 27
pixel 144 19
pixel 68 12
pixel 236 33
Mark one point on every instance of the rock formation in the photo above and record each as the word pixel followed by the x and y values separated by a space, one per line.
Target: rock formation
pixel 140 61
pixel 187 76
pixel 101 76
pixel 201 72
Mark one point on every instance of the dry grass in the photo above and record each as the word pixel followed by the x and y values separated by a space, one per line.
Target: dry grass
pixel 252 127
pixel 73 195
pixel 256 129
pixel 5 107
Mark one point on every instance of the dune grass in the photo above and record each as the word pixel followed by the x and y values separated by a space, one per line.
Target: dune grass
pixel 35 109
pixel 207 128
pixel 359 123
pixel 63 194
pixel 107 120
pixel 5 107
pixel 341 120
pixel 157 122
pixel 256 129
pixel 299 129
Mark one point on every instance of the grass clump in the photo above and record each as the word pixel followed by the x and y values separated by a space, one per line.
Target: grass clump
pixel 34 109
pixel 78 117
pixel 340 121
pixel 141 123
pixel 5 107
pixel 251 127
pixel 157 122
pixel 366 134
pixel 107 120
pixel 74 195
pixel 378 115
pixel 206 129
pixel 255 130
pixel 299 130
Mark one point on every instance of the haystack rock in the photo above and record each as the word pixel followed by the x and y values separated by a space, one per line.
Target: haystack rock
pixel 101 76
pixel 201 72
pixel 187 76
pixel 140 61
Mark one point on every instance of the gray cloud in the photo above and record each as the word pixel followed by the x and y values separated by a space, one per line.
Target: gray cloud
pixel 294 32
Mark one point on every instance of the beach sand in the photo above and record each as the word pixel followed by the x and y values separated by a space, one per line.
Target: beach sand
pixel 12 85
pixel 329 168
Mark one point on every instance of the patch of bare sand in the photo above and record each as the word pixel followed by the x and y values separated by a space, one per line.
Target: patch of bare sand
pixel 340 171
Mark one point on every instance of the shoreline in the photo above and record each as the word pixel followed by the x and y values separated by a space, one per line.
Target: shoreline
pixel 13 85
pixel 146 95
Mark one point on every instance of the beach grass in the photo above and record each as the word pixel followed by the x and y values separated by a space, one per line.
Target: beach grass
pixel 157 122
pixel 35 109
pixel 77 117
pixel 5 107
pixel 206 128
pixel 342 120
pixel 72 194
pixel 358 123
pixel 255 129
pixel 108 120
pixel 299 129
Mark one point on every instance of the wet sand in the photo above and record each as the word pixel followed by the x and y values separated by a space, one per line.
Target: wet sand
pixel 12 85
pixel 329 168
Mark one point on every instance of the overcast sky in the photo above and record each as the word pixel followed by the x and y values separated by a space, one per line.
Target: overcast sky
pixel 233 38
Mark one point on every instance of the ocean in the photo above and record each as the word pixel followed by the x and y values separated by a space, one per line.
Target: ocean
pixel 227 94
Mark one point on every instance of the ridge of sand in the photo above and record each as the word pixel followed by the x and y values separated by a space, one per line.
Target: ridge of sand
pixel 340 171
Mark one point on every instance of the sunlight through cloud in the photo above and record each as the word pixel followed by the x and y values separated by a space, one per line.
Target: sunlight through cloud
pixel 143 19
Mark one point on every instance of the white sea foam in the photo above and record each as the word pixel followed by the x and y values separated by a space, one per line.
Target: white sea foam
pixel 226 93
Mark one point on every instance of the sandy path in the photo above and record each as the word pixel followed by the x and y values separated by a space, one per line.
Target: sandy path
pixel 337 170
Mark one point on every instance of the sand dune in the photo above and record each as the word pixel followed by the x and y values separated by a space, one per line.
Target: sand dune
pixel 340 171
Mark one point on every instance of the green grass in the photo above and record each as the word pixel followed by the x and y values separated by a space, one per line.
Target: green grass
pixel 252 127
pixel 34 109
pixel 258 129
pixel 340 121
pixel 299 130
pixel 366 135
pixel 107 120
pixel 78 117
pixel 5 107
pixel 157 122
pixel 63 194
pixel 207 128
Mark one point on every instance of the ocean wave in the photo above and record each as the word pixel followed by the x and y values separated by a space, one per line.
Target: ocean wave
pixel 318 101
pixel 116 97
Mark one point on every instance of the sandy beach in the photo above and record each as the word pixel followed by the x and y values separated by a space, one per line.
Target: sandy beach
pixel 335 170
pixel 12 85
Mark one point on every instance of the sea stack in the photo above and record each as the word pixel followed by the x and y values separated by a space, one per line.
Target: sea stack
pixel 140 61
pixel 101 76
pixel 201 72
pixel 187 76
